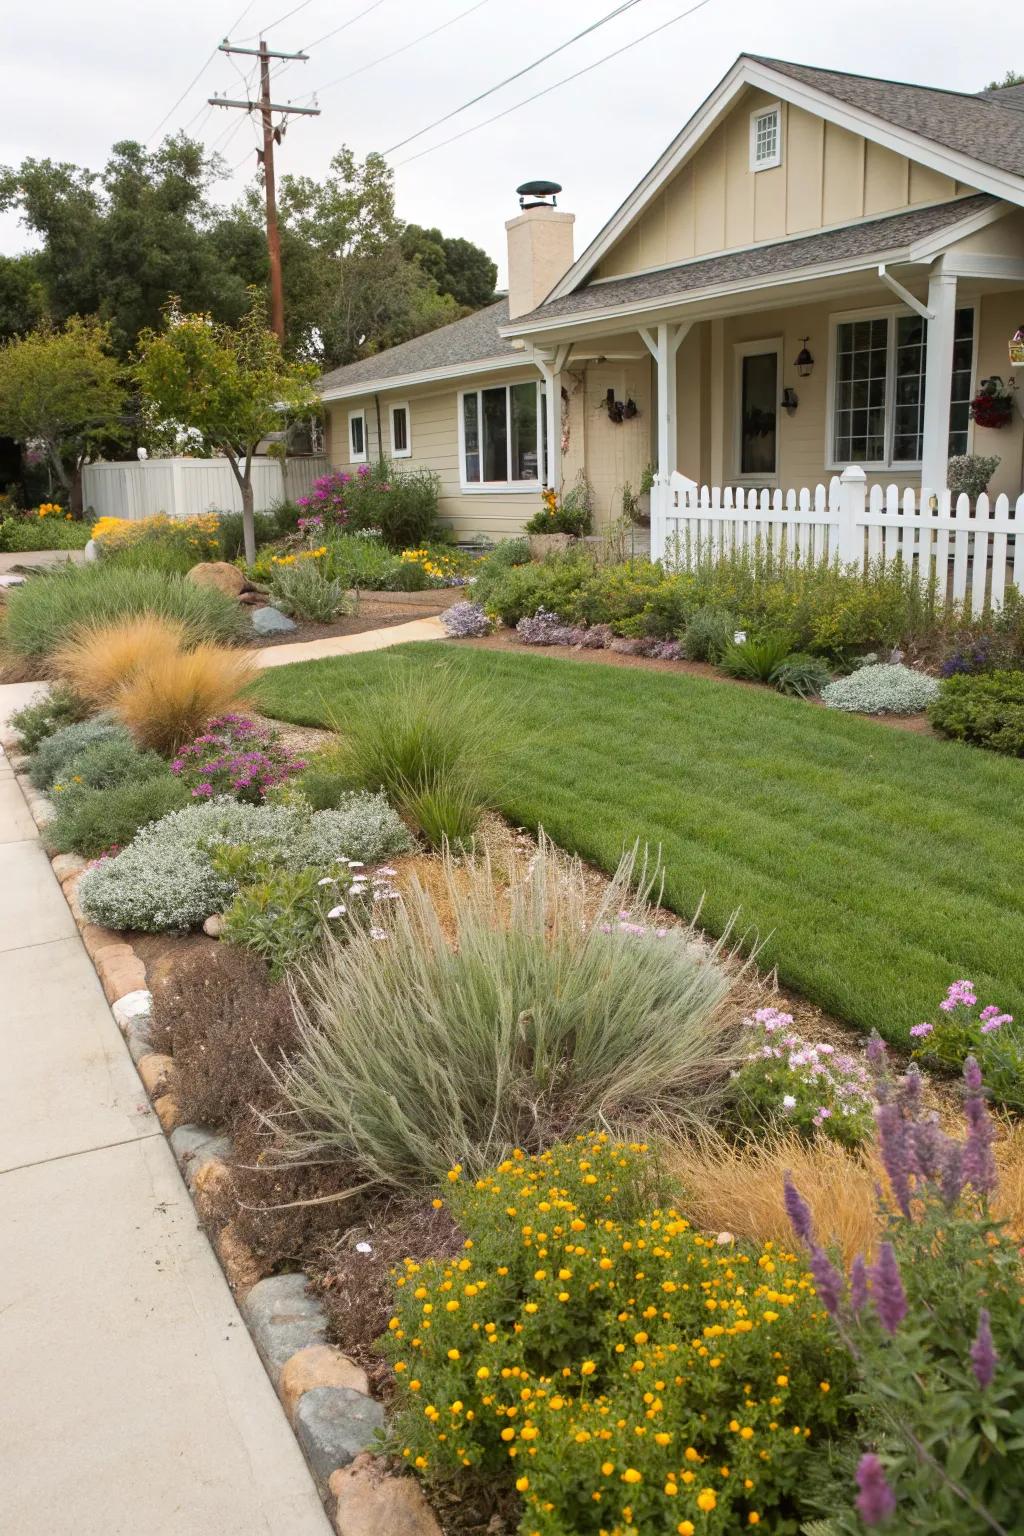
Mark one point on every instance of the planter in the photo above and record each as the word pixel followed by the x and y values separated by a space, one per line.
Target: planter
pixel 542 544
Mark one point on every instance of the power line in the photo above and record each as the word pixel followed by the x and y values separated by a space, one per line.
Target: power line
pixel 384 57
pixel 270 24
pixel 200 72
pixel 620 10
pixel 328 35
pixel 558 83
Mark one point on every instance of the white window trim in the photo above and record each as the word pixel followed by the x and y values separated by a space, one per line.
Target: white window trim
pixel 353 457
pixel 888 312
pixel 776 159
pixel 742 349
pixel 507 487
pixel 406 452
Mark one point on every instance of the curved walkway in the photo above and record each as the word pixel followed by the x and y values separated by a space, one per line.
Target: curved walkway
pixel 350 645
pixel 133 1397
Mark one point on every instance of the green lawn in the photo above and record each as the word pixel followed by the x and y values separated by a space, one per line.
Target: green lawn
pixel 876 865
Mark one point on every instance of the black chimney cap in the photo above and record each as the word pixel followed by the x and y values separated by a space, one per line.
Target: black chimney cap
pixel 539 189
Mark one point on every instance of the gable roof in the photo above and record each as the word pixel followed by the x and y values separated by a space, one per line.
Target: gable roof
pixel 973 139
pixel 969 125
pixel 474 339
pixel 890 237
pixel 1006 96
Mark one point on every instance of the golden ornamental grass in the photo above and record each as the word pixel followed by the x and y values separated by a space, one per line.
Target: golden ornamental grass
pixel 100 659
pixel 169 700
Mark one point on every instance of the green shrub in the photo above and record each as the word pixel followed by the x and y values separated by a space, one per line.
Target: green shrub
pixel 92 821
pixel 367 563
pixel 542 1018
pixel 756 661
pixel 621 595
pixel 986 709
pixel 509 553
pixel 573 513
pixel 230 533
pixel 42 613
pixel 521 590
pixel 303 591
pixel 20 534
pixel 424 741
pixel 402 504
pixel 51 759
pixel 883 689
pixel 109 762
pixel 802 676
pixel 594 1352
pixel 708 635
pixel 166 879
pixel 57 708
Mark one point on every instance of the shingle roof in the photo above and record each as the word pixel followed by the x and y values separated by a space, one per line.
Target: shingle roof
pixel 867 239
pixel 969 125
pixel 472 340
pixel 1006 96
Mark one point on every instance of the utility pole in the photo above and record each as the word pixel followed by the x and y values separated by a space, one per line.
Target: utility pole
pixel 271 136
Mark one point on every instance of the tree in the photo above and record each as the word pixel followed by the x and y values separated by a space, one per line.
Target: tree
pixel 22 295
pixel 457 266
pixel 1010 78
pixel 62 389
pixel 230 385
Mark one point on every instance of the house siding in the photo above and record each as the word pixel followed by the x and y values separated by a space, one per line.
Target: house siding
pixel 716 203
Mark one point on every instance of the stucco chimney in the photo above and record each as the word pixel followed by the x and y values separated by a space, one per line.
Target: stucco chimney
pixel 539 253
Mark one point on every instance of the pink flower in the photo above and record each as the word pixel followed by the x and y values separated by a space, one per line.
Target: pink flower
pixel 920 1030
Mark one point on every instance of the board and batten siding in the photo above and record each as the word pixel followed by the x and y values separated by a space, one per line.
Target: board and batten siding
pixel 715 202
pixel 434 432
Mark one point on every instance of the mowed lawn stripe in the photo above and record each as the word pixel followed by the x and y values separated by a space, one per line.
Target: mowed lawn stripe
pixel 875 865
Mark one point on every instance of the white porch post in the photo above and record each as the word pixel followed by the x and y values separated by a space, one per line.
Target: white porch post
pixel 938 380
pixel 551 365
pixel 663 343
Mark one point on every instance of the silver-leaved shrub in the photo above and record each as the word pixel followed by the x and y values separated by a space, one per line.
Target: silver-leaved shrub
pixel 882 690
pixel 165 878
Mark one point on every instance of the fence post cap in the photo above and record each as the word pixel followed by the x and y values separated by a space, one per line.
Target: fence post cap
pixel 852 472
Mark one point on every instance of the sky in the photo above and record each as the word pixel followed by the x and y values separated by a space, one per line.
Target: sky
pixel 112 69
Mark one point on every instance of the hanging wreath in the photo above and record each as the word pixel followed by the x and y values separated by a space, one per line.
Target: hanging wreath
pixel 992 406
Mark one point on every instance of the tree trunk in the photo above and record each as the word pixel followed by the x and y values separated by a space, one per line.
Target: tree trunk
pixel 75 506
pixel 248 519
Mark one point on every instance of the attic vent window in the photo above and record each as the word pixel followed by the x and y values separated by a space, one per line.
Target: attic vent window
pixel 766 138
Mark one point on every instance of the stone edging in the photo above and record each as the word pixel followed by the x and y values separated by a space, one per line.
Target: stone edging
pixel 324 1394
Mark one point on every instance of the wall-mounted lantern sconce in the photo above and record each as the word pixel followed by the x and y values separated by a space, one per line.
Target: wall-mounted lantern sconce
pixel 789 400
pixel 804 363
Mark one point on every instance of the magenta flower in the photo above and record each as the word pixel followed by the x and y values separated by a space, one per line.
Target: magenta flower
pixel 983 1351
pixel 875 1500
pixel 887 1289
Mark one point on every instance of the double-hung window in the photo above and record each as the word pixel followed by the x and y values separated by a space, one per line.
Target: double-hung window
pixel 501 437
pixel 357 453
pixel 878 388
pixel 401 431
pixel 766 138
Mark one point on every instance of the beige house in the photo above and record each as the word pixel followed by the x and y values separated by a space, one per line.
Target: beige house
pixel 819 271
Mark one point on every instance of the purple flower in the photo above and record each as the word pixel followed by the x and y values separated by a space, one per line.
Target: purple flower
pixel 951 1174
pixel 972 1075
pixel 797 1209
pixel 875 1500
pixel 979 1165
pixel 203 790
pixel 858 1284
pixel 983 1351
pixel 919 1031
pixel 897 1158
pixel 876 1052
pixel 887 1289
pixel 827 1280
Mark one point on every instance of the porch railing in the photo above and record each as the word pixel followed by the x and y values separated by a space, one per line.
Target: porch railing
pixel 970 551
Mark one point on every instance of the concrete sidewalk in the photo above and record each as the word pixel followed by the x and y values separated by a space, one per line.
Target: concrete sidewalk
pixel 351 645
pixel 133 1399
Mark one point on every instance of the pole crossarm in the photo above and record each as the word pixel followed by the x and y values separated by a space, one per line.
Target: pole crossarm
pixel 259 106
pixel 261 52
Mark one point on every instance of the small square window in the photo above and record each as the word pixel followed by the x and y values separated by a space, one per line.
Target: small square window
pixel 766 138
pixel 357 437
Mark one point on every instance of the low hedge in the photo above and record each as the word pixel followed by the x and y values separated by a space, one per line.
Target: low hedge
pixel 985 708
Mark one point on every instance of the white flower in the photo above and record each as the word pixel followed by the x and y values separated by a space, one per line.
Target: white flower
pixel 338 911
pixel 385 871
pixel 378 933
pixel 789 1102
pixel 327 880
pixel 363 1248
pixel 356 864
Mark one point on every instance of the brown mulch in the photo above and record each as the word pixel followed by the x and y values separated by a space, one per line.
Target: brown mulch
pixel 505 640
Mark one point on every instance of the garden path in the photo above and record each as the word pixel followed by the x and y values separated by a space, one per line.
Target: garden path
pixel 134 1398
pixel 10 562
pixel 349 645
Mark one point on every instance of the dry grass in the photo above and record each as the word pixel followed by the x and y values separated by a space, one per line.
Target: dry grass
pixel 100 659
pixel 727 1187
pixel 169 701
pixel 1009 1198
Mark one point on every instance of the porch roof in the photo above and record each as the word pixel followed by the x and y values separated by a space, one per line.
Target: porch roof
pixel 888 238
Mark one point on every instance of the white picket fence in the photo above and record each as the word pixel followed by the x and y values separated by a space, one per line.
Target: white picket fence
pixel 181 487
pixel 975 551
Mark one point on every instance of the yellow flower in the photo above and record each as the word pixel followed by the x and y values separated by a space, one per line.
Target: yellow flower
pixel 522 1483
pixel 686 1528
pixel 588 1368
pixel 707 1499
pixel 631 1475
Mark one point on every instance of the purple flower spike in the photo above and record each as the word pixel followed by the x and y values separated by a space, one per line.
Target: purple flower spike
pixel 876 1053
pixel 972 1075
pixel 797 1209
pixel 887 1289
pixel 983 1351
pixel 875 1500
pixel 827 1279
pixel 979 1164
pixel 858 1284
pixel 951 1177
pixel 897 1159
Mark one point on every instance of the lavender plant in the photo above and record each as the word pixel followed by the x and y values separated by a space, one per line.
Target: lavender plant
pixel 933 1327
pixel 963 1028
pixel 465 621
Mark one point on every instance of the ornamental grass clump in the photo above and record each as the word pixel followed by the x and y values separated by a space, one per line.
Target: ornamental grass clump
pixel 618 1369
pixel 98 659
pixel 931 1327
pixel 885 689
pixel 167 702
pixel 537 1018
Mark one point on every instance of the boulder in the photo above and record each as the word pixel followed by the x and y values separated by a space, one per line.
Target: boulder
pixel 332 1425
pixel 271 621
pixel 282 1319
pixel 370 1502
pixel 218 573
pixel 319 1365
pixel 213 926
